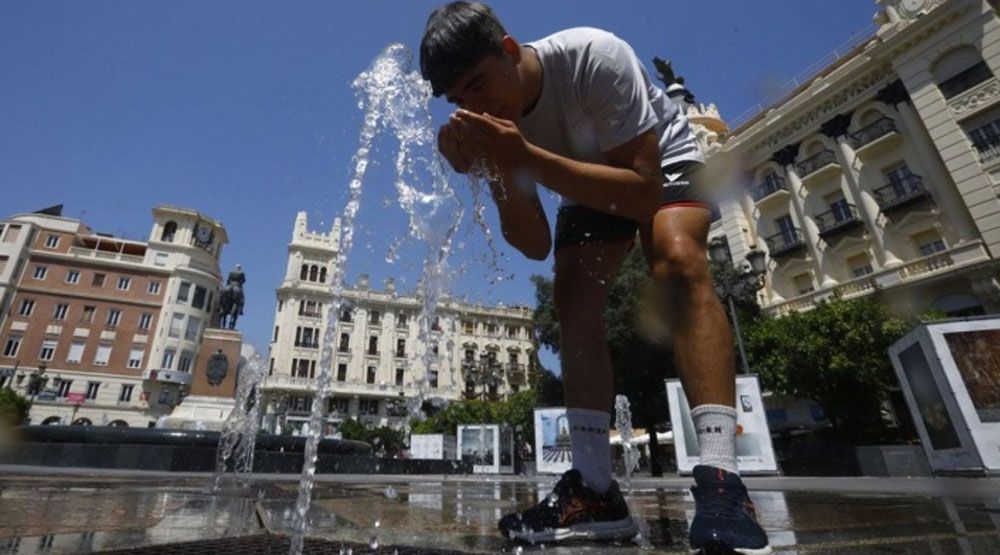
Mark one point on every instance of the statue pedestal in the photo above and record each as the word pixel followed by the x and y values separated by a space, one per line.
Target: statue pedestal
pixel 213 385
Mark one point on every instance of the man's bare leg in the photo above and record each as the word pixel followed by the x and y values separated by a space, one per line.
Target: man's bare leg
pixel 583 274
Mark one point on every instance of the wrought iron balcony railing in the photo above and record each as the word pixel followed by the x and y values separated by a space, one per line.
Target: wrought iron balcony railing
pixel 769 186
pixel 872 132
pixel 784 243
pixel 901 193
pixel 819 160
pixel 838 220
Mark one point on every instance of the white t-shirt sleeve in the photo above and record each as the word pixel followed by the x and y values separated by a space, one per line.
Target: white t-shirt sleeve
pixel 613 93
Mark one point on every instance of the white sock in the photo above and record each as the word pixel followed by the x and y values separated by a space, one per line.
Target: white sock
pixel 716 427
pixel 588 431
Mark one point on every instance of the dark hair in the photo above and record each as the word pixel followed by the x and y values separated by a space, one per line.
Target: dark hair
pixel 457 37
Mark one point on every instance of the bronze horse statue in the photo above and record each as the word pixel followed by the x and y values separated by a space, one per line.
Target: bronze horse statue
pixel 231 300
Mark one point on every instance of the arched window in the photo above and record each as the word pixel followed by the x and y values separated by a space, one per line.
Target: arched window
pixel 169 231
pixel 304 274
pixel 118 424
pixel 82 422
pixel 313 273
pixel 870 117
pixel 960 70
pixel 322 275
pixel 51 421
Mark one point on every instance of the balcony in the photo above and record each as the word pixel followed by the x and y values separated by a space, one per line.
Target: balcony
pixel 839 220
pixel 353 387
pixel 785 243
pixel 817 164
pixel 771 189
pixel 343 349
pixel 875 136
pixel 400 354
pixel 901 194
pixel 168 377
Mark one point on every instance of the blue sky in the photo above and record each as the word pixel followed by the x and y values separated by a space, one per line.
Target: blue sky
pixel 244 110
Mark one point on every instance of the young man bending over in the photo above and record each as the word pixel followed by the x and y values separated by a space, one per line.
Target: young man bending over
pixel 577 113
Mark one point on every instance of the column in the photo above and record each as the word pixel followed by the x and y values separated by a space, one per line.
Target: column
pixel 809 228
pixel 939 181
pixel 868 205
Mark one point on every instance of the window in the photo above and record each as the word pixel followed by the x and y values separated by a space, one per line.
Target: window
pixel 341 372
pixel 512 331
pixel 154 288
pixel 339 405
pixel 168 359
pixel 860 265
pixel 370 378
pixel 468 327
pixel 434 348
pixel 401 320
pixel 304 272
pixel 373 345
pixel 400 348
pixel 40 272
pixel 375 317
pixel 960 70
pixel 103 354
pixel 48 350
pixel 193 327
pixel 313 273
pixel 52 241
pixel 929 242
pixel 114 317
pixel 346 314
pixel 322 275
pixel 145 320
pixel 804 283
pixel 27 307
pixel 98 280
pixel 301 367
pixel 87 316
pixel 176 325
pixel 368 407
pixel 135 356
pixel 399 376
pixel 76 352
pixel 785 226
pixel 184 361
pixel 436 325
pixel 125 394
pixel 470 355
pixel 433 379
pixel 161 259
pixel 63 388
pixel 491 329
pixel 183 291
pixel 281 304
pixel 198 301
pixel 60 311
pixel 275 338
pixel 92 389
pixel 344 345
pixel 124 283
pixel 986 139
pixel 73 277
pixel 169 232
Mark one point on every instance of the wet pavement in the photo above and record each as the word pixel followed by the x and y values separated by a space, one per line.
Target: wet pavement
pixel 86 514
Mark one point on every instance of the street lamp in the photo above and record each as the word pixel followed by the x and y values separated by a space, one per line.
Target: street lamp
pixel 729 286
pixel 486 372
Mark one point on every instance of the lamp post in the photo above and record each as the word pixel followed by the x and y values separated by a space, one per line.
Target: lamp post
pixel 486 372
pixel 730 286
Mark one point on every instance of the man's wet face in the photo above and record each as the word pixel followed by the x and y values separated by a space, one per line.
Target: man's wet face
pixel 491 86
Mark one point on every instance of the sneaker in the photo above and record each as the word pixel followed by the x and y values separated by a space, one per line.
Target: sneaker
pixel 572 512
pixel 725 520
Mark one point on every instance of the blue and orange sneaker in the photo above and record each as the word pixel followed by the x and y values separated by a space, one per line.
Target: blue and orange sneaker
pixel 725 520
pixel 572 512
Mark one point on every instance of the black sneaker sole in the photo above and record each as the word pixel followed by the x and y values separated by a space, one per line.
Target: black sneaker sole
pixel 717 548
pixel 624 529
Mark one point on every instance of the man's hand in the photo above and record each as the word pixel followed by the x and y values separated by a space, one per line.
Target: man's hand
pixel 449 144
pixel 498 142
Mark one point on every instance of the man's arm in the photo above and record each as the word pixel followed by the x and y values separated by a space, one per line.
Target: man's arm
pixel 627 185
pixel 522 218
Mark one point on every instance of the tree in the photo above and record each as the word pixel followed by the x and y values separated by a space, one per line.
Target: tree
pixel 385 441
pixel 13 409
pixel 835 354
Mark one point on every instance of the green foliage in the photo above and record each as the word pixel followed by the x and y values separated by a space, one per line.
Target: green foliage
pixel 385 441
pixel 13 408
pixel 518 410
pixel 546 322
pixel 835 354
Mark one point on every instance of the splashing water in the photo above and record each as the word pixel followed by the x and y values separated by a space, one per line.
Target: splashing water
pixel 395 99
pixel 623 422
pixel 239 431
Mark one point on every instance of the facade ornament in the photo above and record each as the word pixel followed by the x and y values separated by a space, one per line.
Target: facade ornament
pixel 978 97
pixel 786 155
pixel 836 126
pixel 893 94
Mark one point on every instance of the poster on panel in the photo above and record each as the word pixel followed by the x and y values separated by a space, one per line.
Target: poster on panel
pixel 490 448
pixel 552 446
pixel 754 452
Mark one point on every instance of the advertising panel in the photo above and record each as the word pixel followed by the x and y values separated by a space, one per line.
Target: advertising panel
pixel 552 445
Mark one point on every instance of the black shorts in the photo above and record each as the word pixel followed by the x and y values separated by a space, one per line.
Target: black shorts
pixel 576 225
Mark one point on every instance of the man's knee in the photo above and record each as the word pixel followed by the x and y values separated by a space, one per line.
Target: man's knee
pixel 679 261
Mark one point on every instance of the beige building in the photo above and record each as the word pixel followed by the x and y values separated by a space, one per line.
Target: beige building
pixel 378 353
pixel 880 173
pixel 101 330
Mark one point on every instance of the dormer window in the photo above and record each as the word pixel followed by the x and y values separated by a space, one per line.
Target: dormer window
pixel 169 232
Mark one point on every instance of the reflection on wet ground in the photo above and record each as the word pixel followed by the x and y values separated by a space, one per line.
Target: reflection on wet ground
pixel 84 515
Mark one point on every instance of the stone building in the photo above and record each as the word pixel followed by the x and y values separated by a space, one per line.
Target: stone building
pixel 378 356
pixel 879 173
pixel 98 329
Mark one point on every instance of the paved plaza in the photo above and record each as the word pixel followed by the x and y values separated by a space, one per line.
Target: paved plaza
pixel 85 511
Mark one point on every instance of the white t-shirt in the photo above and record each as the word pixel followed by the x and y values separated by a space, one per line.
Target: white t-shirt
pixel 596 95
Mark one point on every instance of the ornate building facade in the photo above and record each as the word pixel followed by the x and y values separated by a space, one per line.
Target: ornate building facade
pixel 98 329
pixel 881 173
pixel 379 355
